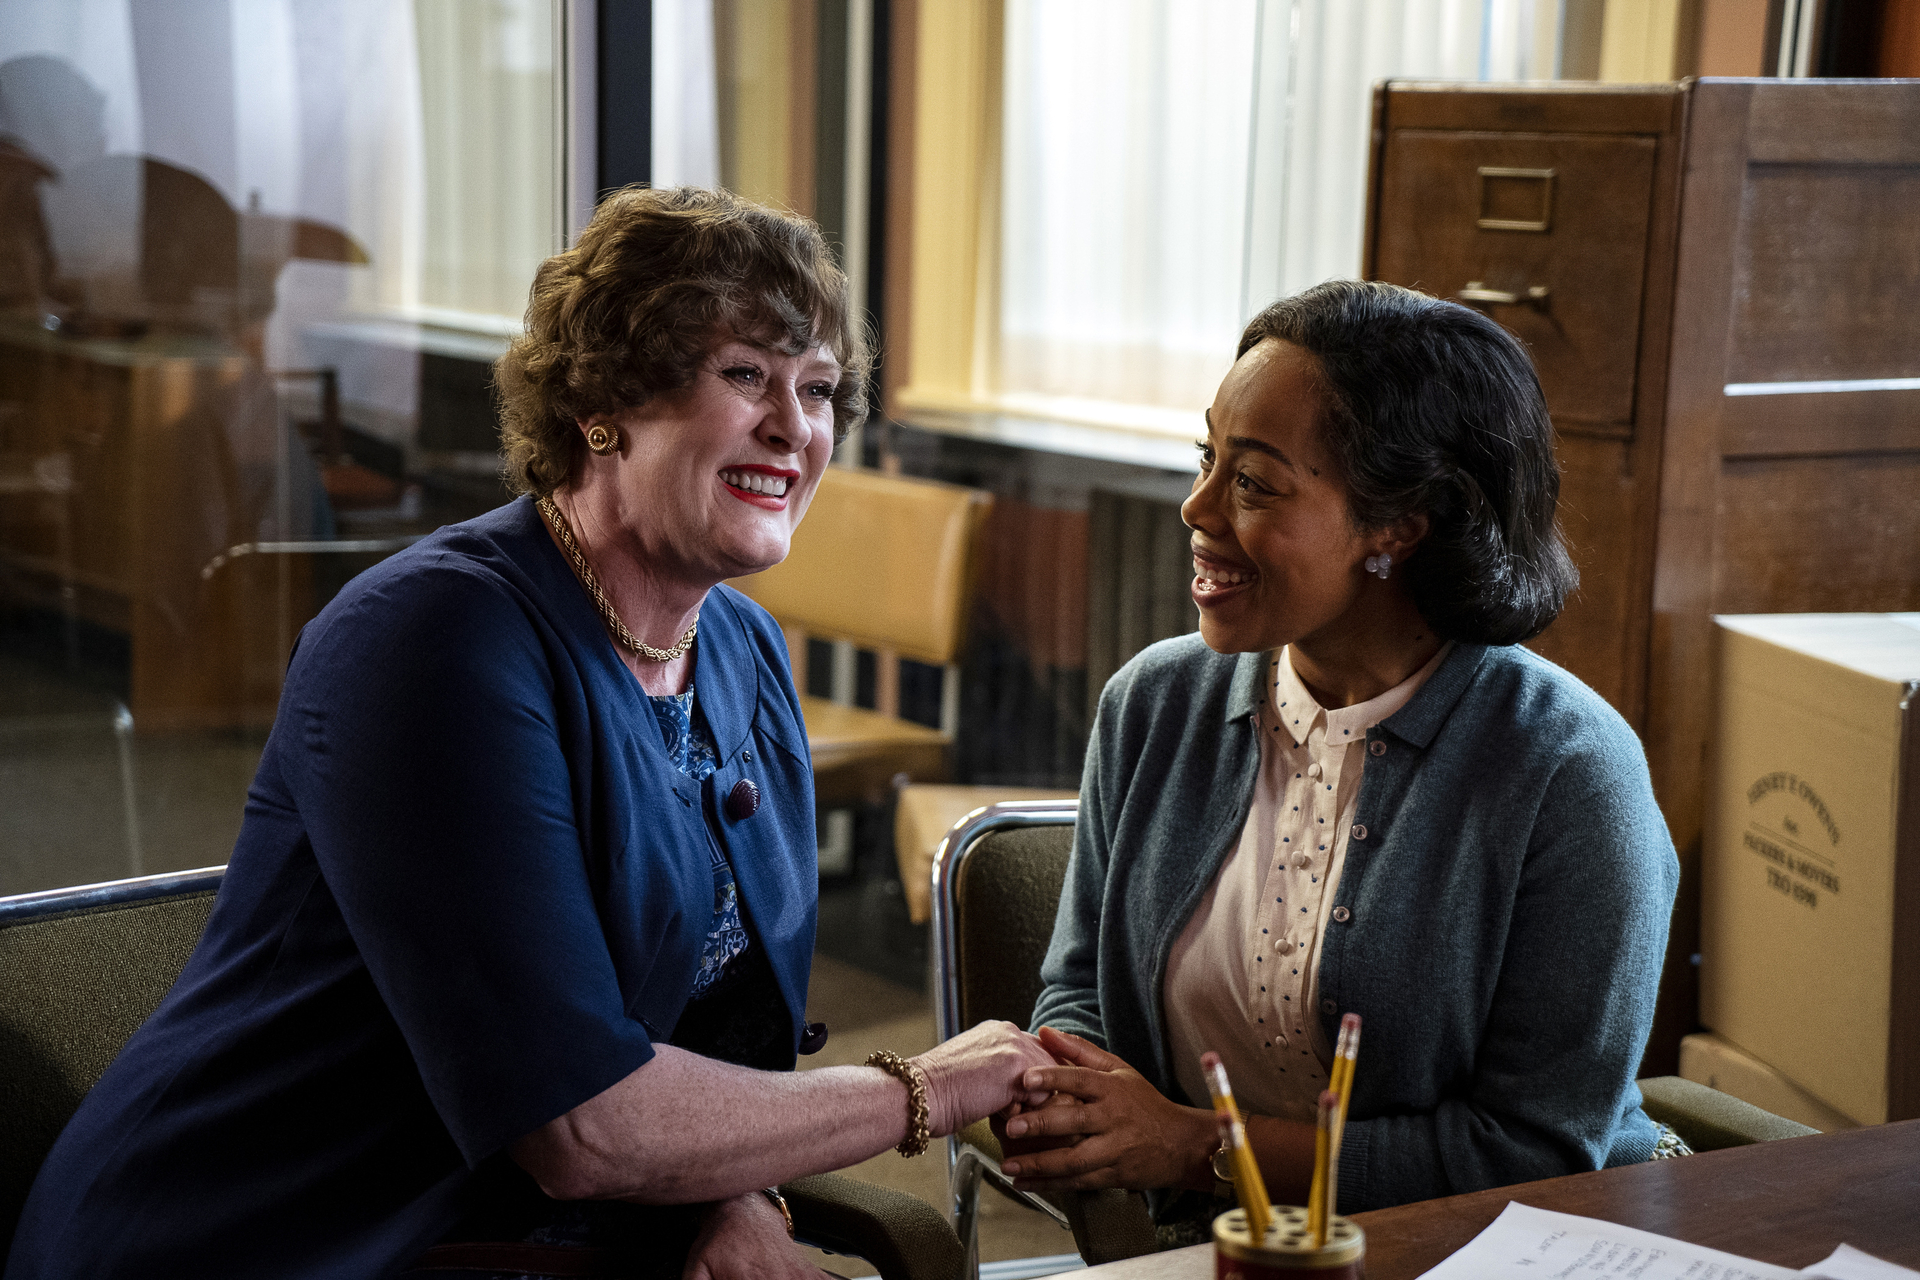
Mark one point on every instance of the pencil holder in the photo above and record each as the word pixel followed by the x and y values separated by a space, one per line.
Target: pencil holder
pixel 1287 1250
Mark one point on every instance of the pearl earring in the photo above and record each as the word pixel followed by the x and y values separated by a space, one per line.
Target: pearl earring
pixel 1380 564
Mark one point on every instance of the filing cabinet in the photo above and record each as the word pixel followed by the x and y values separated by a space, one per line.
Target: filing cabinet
pixel 1719 282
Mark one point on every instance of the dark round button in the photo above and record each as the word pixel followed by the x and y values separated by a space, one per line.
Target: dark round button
pixel 1376 748
pixel 813 1037
pixel 743 801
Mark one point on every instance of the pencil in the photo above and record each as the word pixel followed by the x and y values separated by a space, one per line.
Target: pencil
pixel 1248 1186
pixel 1322 1154
pixel 1343 1064
pixel 1346 1054
pixel 1317 1194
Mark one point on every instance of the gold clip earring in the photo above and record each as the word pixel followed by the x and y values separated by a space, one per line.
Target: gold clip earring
pixel 603 439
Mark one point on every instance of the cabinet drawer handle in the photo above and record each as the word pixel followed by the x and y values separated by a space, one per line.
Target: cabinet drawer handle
pixel 1476 294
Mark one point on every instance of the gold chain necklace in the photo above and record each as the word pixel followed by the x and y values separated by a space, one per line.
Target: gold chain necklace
pixel 619 628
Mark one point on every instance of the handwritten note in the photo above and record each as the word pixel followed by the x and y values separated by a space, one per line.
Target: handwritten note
pixel 1524 1243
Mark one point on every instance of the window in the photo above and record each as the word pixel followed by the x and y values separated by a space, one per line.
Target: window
pixel 1155 173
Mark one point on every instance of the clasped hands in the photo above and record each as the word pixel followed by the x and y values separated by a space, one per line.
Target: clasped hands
pixel 1103 1125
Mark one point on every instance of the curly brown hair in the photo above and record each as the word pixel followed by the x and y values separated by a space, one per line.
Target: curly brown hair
pixel 657 279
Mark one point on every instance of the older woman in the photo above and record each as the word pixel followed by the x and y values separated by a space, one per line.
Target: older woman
pixel 522 912
pixel 1353 792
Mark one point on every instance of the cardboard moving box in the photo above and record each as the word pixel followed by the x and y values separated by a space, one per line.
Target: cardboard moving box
pixel 1707 1059
pixel 1810 881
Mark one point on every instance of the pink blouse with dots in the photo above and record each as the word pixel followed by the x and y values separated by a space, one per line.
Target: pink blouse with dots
pixel 1241 979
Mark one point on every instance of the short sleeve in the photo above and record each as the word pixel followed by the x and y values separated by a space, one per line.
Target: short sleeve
pixel 431 769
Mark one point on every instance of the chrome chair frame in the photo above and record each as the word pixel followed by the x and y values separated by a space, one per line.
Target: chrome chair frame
pixel 22 907
pixel 967 1165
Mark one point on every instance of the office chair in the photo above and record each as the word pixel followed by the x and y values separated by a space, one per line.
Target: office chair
pixel 86 966
pixel 996 886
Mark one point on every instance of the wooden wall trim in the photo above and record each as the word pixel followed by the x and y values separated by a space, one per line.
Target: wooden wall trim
pixel 1786 426
pixel 1676 1012
pixel 952 307
pixel 902 54
pixel 1376 163
pixel 765 55
pixel 1860 123
pixel 1903 1044
pixel 1900 39
pixel 802 134
pixel 1713 176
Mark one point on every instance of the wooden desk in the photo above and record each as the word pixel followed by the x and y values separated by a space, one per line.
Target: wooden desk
pixel 1787 1202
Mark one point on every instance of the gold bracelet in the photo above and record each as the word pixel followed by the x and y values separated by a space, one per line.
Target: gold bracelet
pixel 779 1202
pixel 919 1130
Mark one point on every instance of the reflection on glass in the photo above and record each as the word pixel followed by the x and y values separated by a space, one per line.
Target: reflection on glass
pixel 254 261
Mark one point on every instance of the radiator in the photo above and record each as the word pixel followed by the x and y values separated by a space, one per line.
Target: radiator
pixel 1139 581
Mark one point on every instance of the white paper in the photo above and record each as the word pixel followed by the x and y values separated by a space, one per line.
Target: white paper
pixel 1848 1263
pixel 1525 1243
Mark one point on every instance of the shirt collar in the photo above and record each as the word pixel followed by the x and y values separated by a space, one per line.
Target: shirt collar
pixel 1295 708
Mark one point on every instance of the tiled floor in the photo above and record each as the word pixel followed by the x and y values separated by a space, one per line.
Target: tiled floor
pixel 67 772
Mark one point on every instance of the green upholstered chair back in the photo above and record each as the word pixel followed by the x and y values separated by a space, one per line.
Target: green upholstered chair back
pixel 997 887
pixel 84 967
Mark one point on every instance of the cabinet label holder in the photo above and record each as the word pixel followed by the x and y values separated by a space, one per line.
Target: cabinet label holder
pixel 1493 177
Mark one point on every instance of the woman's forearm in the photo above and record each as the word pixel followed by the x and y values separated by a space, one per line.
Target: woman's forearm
pixel 684 1128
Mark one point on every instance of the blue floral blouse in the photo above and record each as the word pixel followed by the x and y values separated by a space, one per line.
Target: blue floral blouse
pixel 690 747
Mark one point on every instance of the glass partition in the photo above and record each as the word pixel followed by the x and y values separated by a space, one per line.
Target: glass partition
pixel 255 259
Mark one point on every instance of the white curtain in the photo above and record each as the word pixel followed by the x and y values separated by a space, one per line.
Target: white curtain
pixel 686 105
pixel 1124 179
pixel 1171 166
pixel 490 159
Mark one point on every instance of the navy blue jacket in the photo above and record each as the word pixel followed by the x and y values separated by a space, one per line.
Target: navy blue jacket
pixel 470 893
pixel 1506 911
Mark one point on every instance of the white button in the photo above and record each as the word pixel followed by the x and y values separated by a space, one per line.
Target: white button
pixel 1302 860
pixel 1313 770
pixel 1284 947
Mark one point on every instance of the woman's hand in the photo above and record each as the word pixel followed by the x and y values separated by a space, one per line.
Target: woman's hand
pixel 1128 1134
pixel 745 1238
pixel 979 1072
pixel 1011 1147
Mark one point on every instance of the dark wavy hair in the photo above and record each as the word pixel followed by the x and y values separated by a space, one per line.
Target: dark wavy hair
pixel 657 279
pixel 1431 407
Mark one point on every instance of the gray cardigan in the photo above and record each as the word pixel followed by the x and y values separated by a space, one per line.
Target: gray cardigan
pixel 1506 911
